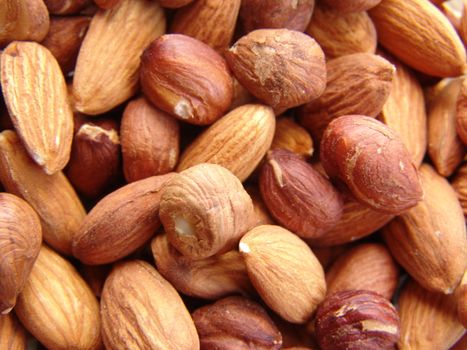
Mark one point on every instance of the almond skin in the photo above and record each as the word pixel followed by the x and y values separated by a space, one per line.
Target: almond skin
pixel 346 6
pixel 429 240
pixel 134 289
pixel 276 257
pixel 459 184
pixel 461 112
pixel 262 62
pixel 186 78
pixel 418 34
pixel 461 296
pixel 373 162
pixel 121 222
pixel 12 334
pixel 298 197
pixel 293 137
pixel 45 124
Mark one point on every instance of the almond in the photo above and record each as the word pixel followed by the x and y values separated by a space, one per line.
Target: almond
pixel 459 184
pixel 284 271
pixel 262 215
pixel 140 309
pixel 106 72
pixel 45 124
pixel 429 240
pixel 291 136
pixel 12 334
pixel 65 7
pixel 461 112
pixel 461 296
pixel 346 6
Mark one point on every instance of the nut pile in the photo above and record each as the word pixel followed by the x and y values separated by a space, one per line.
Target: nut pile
pixel 233 174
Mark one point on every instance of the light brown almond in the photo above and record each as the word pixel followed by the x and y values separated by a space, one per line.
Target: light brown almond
pixel 461 297
pixel 459 184
pixel 346 6
pixel 461 112
pixel 293 137
pixel 12 334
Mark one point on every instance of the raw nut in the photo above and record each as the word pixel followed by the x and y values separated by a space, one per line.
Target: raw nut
pixel 461 296
pixel 45 124
pixel 373 162
pixel 298 197
pixel 281 67
pixel 150 141
pixel 356 319
pixel 95 276
pixel 346 6
pixel 210 278
pixel 106 72
pixel 236 323
pixel 12 334
pixel 342 34
pixel 418 34
pixel 445 148
pixel 289 14
pixel 141 310
pixel 205 211
pixel 284 271
pixel 64 39
pixel 20 242
pixel 65 7
pixel 210 21
pixel 23 20
pixel 368 266
pixel 262 215
pixel 121 222
pixel 356 84
pixel 95 150
pixel 57 307
pixel 51 196
pixel 107 4
pixel 459 184
pixel 428 320
pixel 461 112
pixel 429 240
pixel 291 136
pixel 171 4
pixel 186 78
pixel 238 141
pixel 404 111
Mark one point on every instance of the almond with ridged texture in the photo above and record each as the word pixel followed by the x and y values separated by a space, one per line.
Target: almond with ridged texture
pixel 20 242
pixel 347 6
pixel 57 306
pixel 298 197
pixel 23 20
pixel 172 4
pixel 51 196
pixel 201 20
pixel 461 112
pixel 121 222
pixel 210 278
pixel 106 72
pixel 205 211
pixel 404 111
pixel 238 141
pixel 284 271
pixel 428 320
pixel 429 240
pixel 342 34
pixel 293 137
pixel 141 310
pixel 368 266
pixel 372 161
pixel 150 141
pixel 418 34
pixel 356 84
pixel 45 124
pixel 281 67
pixel 459 183
pixel 12 334
pixel 186 78
pixel 236 323
pixel 65 7
pixel 445 148
pixel 289 14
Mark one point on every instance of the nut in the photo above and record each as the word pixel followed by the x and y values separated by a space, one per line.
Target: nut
pixel 461 296
pixel 107 4
pixel 186 78
pixel 459 184
pixel 356 319
pixel 174 3
pixel 461 111
pixel 12 334
pixel 64 7
pixel 291 136
pixel 346 6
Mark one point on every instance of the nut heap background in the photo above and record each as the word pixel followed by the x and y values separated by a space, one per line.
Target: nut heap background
pixel 233 174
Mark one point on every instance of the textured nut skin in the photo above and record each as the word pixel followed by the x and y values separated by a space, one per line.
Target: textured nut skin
pixel 64 7
pixel 459 184
pixel 291 136
pixel 461 296
pixel 356 319
pixel 186 78
pixel 429 240
pixel 368 266
pixel 210 278
pixel 12 334
pixel 262 62
pixel 372 161
pixel 346 6
pixel 150 141
pixel 141 310
pixel 57 306
pixel 205 210
pixel 461 111
pixel 120 222
pixel 356 84
pixel 289 14
pixel 298 197
pixel 284 272
pixel 20 242
pixel 236 323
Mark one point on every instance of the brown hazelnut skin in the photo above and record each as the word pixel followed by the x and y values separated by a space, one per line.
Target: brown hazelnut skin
pixel 356 320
